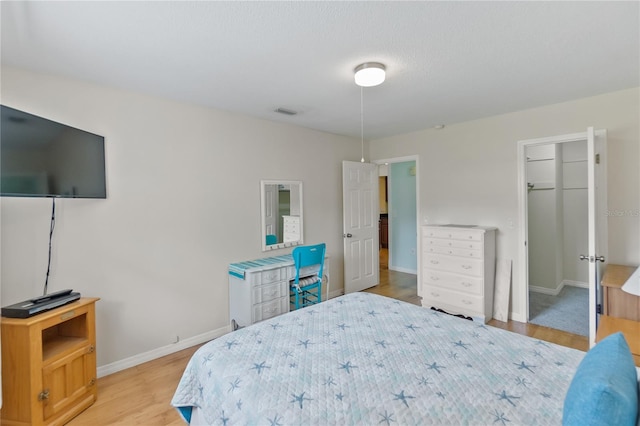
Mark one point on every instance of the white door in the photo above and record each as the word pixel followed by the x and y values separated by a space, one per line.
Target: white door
pixel 270 203
pixel 360 225
pixel 597 220
pixel 595 257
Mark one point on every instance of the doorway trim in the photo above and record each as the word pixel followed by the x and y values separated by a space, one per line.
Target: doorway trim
pixel 523 270
pixel 415 158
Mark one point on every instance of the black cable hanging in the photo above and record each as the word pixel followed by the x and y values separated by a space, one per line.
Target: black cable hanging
pixel 51 228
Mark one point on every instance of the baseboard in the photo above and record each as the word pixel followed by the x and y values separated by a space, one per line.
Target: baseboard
pixel 405 270
pixel 557 290
pixel 517 317
pixel 135 360
pixel 572 283
pixel 546 290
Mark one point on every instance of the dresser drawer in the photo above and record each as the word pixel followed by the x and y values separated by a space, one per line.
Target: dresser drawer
pixel 459 265
pixel 306 271
pixel 454 233
pixel 265 277
pixel 467 235
pixel 265 293
pixel 438 233
pixel 465 284
pixel 440 297
pixel 440 242
pixel 455 251
pixel 270 309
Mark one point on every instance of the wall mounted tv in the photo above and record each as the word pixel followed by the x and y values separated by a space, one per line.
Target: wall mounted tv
pixel 42 158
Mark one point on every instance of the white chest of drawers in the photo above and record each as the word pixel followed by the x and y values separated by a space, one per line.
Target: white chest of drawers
pixel 259 288
pixel 458 269
pixel 290 228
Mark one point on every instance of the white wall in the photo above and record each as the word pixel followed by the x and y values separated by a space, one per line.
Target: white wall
pixel 468 171
pixel 183 202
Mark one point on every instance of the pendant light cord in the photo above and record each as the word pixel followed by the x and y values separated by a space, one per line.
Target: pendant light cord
pixel 361 124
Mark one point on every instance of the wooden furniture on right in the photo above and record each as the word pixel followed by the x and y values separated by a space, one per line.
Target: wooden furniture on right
pixel 384 231
pixel 630 329
pixel 49 365
pixel 458 269
pixel 616 302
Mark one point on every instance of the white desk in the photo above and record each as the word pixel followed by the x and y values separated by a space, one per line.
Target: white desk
pixel 259 288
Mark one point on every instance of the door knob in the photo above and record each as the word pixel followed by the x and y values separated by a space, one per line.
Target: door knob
pixel 347 235
pixel 600 258
pixel 583 257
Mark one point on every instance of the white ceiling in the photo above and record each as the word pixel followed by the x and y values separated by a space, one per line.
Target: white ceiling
pixel 447 62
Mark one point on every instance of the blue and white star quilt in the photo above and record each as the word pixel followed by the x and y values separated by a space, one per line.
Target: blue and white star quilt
pixel 367 359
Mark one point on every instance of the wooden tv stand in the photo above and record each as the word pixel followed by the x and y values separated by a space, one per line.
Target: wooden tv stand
pixel 49 365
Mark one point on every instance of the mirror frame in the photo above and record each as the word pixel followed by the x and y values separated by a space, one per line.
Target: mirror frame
pixel 263 215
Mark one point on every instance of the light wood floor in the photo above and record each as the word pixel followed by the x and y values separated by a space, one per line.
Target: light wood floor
pixel 141 395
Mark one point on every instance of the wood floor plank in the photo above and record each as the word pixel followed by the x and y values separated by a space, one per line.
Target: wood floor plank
pixel 141 395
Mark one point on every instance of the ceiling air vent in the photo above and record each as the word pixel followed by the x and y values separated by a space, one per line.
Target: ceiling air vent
pixel 285 111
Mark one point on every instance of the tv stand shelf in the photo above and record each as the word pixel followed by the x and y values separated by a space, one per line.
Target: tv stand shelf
pixel 49 365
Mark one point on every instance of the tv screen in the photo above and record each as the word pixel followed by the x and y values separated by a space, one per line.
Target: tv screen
pixel 42 158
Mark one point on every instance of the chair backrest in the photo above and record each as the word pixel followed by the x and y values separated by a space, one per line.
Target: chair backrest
pixel 309 256
pixel 271 239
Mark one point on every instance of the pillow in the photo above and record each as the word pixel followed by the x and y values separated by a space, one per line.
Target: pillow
pixel 604 389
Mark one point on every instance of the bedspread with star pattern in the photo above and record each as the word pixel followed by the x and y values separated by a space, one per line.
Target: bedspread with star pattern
pixel 368 359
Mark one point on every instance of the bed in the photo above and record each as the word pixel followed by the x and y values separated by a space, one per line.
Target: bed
pixel 367 359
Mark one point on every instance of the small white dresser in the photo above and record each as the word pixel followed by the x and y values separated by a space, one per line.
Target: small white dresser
pixel 290 228
pixel 458 269
pixel 259 288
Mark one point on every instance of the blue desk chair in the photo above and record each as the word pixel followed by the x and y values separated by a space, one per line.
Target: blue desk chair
pixel 307 290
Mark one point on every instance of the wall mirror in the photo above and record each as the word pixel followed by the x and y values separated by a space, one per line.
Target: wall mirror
pixel 281 212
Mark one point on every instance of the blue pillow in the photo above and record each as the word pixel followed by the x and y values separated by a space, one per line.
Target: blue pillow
pixel 604 390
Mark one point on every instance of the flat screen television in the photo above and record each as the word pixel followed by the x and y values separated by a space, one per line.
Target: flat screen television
pixel 43 158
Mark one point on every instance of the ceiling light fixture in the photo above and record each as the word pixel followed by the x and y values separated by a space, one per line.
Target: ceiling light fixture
pixel 369 74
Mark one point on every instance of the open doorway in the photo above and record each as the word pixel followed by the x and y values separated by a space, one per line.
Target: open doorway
pixel 564 219
pixel 558 234
pixel 398 228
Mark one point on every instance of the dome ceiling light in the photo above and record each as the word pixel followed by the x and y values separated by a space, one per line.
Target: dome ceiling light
pixel 369 74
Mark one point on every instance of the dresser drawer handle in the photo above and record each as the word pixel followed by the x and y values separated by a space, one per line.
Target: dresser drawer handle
pixel 434 262
pixel 466 266
pixel 450 252
pixel 434 294
pixel 466 284
pixel 434 278
pixel 271 310
pixel 470 237
pixel 466 302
